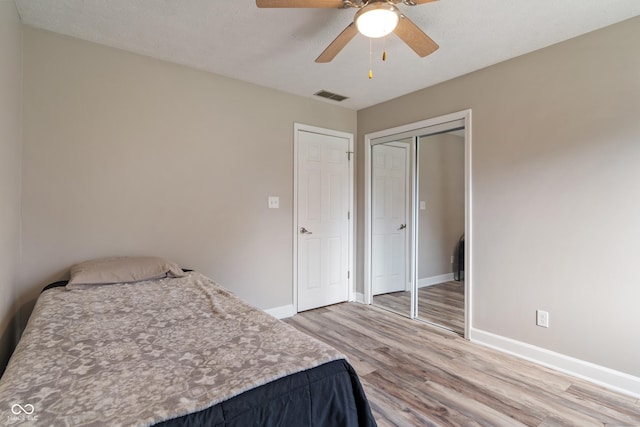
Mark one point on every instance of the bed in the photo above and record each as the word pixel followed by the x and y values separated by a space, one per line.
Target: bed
pixel 173 350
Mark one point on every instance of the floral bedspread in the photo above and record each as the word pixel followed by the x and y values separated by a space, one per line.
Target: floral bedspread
pixel 137 354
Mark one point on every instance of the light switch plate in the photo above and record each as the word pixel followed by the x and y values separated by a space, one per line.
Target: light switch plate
pixel 274 202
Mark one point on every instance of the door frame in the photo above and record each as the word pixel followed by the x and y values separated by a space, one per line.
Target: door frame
pixel 297 127
pixel 404 129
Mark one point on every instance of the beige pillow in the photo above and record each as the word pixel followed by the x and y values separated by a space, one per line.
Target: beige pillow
pixel 121 270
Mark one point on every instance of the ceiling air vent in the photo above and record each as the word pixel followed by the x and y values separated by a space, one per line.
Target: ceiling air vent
pixel 331 95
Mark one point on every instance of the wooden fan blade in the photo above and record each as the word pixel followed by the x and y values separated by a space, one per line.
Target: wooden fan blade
pixel 338 44
pixel 417 2
pixel 414 37
pixel 337 4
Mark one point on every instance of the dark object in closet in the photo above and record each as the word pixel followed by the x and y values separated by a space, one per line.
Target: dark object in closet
pixel 460 271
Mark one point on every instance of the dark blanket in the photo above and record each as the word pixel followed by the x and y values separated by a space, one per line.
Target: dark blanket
pixel 326 396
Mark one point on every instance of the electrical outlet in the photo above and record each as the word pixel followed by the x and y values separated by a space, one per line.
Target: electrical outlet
pixel 542 318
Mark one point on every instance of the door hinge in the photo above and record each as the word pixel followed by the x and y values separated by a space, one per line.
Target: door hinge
pixel 348 275
pixel 348 215
pixel 349 153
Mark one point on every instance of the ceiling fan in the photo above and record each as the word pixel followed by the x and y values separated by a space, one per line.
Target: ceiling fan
pixel 374 18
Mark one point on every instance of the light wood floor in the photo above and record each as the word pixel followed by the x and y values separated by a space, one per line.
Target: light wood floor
pixel 419 375
pixel 442 304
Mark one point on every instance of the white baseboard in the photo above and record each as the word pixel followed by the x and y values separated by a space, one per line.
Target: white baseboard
pixel 282 312
pixel 434 280
pixel 289 310
pixel 606 377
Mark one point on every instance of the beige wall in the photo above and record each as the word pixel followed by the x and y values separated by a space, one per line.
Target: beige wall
pixel 441 188
pixel 10 135
pixel 124 154
pixel 556 179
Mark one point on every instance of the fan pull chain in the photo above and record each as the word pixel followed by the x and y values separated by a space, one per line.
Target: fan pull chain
pixel 370 58
pixel 384 48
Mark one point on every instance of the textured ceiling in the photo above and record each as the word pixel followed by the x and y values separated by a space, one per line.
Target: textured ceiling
pixel 277 47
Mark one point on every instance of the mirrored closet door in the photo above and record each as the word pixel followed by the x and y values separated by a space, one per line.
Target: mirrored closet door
pixel 391 224
pixel 440 229
pixel 417 222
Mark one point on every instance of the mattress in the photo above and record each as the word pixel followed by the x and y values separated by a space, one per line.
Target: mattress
pixel 172 351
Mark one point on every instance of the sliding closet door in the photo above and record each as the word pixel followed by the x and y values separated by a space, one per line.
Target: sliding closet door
pixel 440 228
pixel 437 227
pixel 390 213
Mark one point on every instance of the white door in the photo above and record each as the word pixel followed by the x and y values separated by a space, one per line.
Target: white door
pixel 323 219
pixel 388 226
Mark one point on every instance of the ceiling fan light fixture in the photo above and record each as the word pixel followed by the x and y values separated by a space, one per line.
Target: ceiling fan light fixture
pixel 377 19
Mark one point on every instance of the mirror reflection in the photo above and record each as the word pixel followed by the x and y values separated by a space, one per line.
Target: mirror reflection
pixel 440 192
pixel 390 225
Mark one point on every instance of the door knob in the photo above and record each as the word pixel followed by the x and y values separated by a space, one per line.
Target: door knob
pixel 402 226
pixel 304 231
